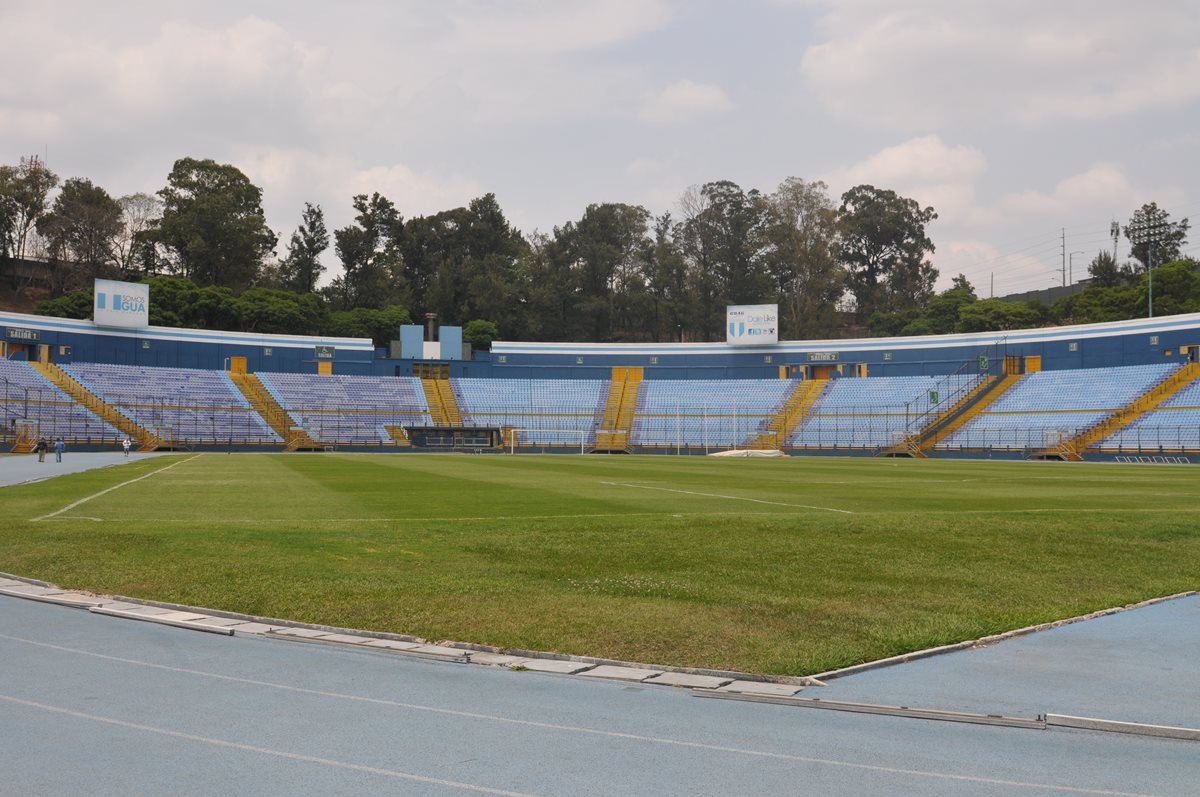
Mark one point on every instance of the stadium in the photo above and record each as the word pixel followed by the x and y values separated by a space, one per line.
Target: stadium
pixel 1099 391
pixel 922 499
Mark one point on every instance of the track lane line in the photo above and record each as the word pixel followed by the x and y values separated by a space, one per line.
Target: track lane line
pixel 251 748
pixel 635 737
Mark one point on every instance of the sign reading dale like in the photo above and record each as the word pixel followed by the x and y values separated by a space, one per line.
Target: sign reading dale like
pixel 751 324
pixel 121 304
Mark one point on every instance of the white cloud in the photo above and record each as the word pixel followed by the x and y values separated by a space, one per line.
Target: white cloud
pixel 552 26
pixel 925 169
pixel 948 178
pixel 930 62
pixel 686 99
pixel 1103 189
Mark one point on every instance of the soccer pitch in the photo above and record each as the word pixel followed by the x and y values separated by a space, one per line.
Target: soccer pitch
pixel 786 566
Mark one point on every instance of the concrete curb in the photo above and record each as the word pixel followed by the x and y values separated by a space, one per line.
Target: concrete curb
pixel 700 683
pixel 418 647
pixel 774 687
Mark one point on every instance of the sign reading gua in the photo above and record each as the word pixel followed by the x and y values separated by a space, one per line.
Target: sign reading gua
pixel 121 304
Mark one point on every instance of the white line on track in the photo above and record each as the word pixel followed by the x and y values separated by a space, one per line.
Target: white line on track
pixel 678 743
pixel 727 497
pixel 308 759
pixel 69 507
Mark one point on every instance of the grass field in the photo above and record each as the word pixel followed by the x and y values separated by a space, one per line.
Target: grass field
pixel 778 566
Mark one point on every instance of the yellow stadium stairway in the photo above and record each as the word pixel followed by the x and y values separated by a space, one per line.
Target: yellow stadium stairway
pixel 619 410
pixel 443 408
pixel 272 412
pixel 791 414
pixel 398 435
pixel 1151 400
pixel 970 406
pixel 145 439
pixel 25 441
pixel 911 445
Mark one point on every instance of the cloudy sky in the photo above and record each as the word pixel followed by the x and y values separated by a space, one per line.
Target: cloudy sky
pixel 1014 120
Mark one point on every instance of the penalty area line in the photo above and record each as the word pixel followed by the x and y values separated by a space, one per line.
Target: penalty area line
pixel 81 501
pixel 729 497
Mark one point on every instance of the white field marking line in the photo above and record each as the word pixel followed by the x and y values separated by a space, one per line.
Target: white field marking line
pixel 1048 510
pixel 728 497
pixel 247 521
pixel 69 507
pixel 308 759
pixel 471 715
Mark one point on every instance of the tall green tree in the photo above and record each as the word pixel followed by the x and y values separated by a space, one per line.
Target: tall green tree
pixel 301 267
pixel 800 233
pixel 1176 289
pixel 987 315
pixel 380 324
pixel 24 191
pixel 369 251
pixel 722 237
pixel 273 311
pixel 480 333
pixel 605 251
pixel 466 261
pixel 82 228
pixel 213 222
pixel 135 248
pixel 667 284
pixel 1106 272
pixel 885 249
pixel 552 291
pixel 1166 239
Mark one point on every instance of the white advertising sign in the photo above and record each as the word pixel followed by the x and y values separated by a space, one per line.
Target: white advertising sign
pixel 121 304
pixel 752 324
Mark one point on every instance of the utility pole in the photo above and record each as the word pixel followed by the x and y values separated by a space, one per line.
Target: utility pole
pixel 1064 257
pixel 1115 231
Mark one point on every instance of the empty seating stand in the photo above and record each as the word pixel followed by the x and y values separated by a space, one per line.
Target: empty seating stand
pixel 687 414
pixel 349 410
pixel 877 412
pixel 31 403
pixel 181 406
pixel 1048 407
pixel 545 412
pixel 1174 426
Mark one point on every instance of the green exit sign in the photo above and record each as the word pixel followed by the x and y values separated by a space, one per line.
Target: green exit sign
pixel 325 352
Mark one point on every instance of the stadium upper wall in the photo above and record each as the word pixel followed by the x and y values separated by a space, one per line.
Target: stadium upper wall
pixel 1134 342
pixel 82 340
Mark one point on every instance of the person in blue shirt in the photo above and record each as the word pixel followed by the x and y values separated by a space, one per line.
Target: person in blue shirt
pixel 59 445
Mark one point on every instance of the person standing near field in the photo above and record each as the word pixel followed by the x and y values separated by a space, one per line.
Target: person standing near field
pixel 59 447
pixel 40 447
pixel 125 444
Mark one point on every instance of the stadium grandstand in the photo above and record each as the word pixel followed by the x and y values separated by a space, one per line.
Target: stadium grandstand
pixel 1094 391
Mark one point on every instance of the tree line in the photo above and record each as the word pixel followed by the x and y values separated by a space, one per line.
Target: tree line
pixel 617 273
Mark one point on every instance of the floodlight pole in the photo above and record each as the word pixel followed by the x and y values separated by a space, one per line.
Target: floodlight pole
pixel 1148 232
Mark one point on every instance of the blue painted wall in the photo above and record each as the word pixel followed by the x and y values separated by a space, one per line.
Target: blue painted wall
pixel 1124 343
